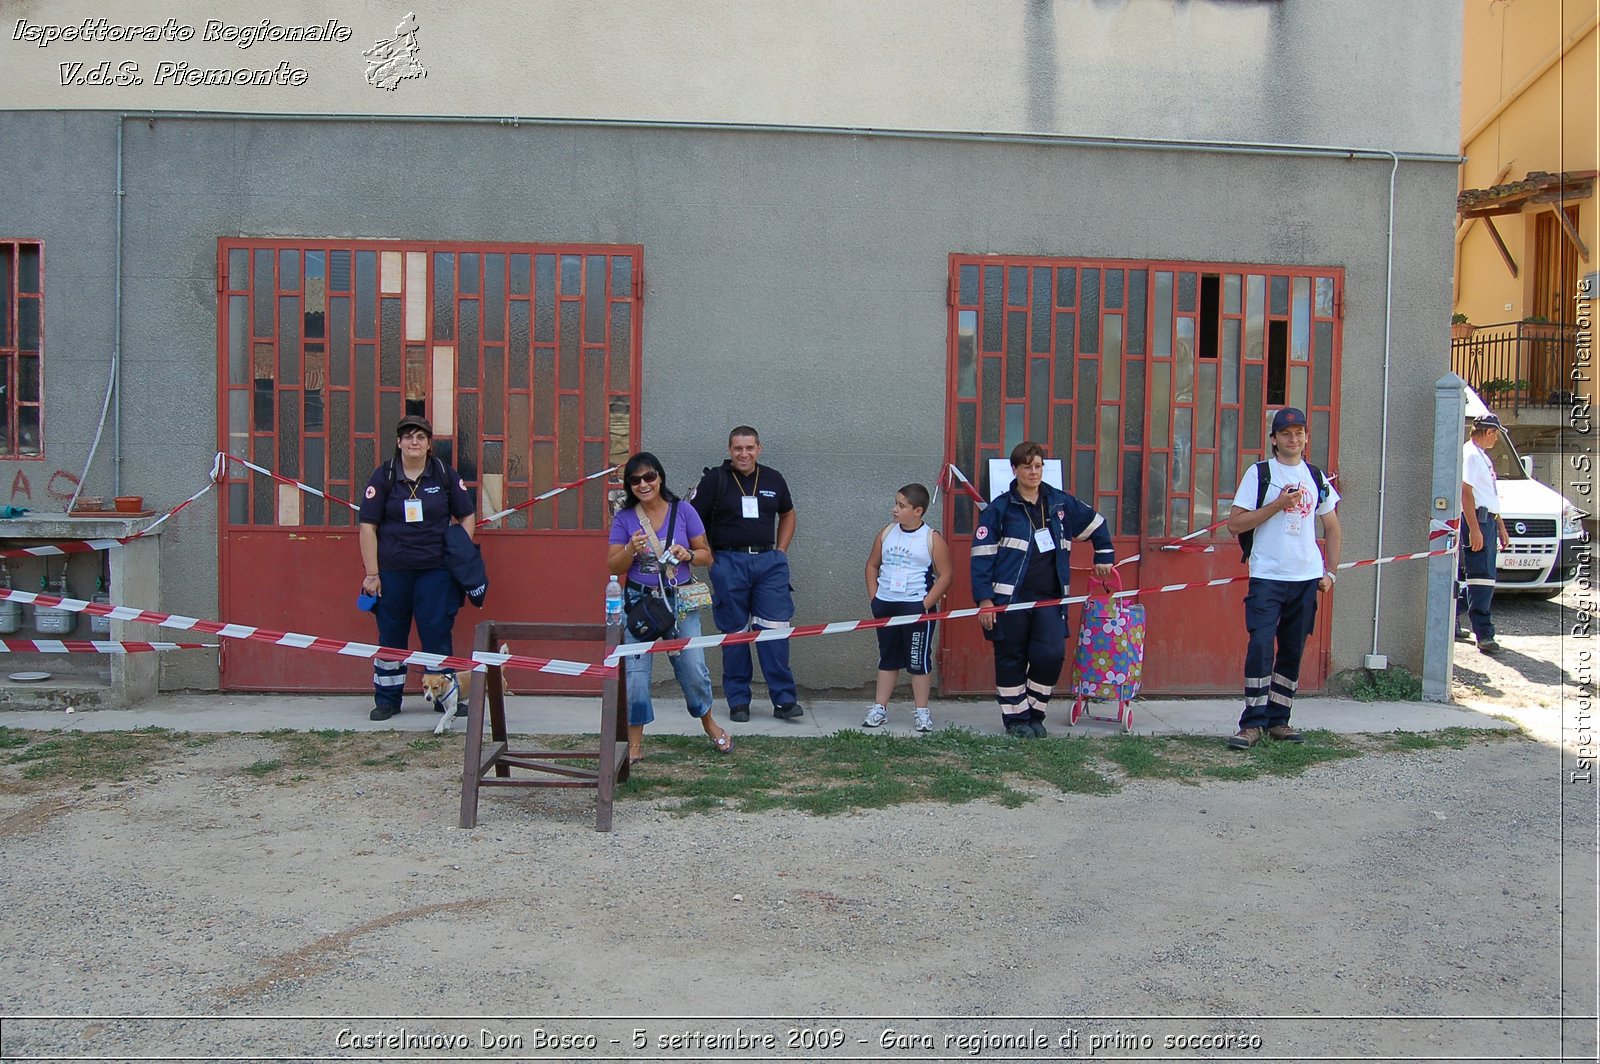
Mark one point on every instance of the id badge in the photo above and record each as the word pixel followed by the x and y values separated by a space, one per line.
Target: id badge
pixel 899 583
pixel 1044 540
pixel 413 511
pixel 749 506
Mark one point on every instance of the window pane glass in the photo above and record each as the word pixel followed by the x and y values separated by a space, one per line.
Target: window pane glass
pixel 993 298
pixel 467 347
pixel 621 346
pixel 1228 452
pixel 967 354
pixel 1111 362
pixel 967 438
pixel 1160 403
pixel 568 327
pixel 288 270
pixel 1108 450
pixel 1324 307
pixel 1204 491
pixel 594 397
pixel 1205 407
pixel 544 394
pixel 1088 388
pixel 1230 361
pixel 1319 441
pixel 594 302
pixel 1065 341
pixel 1156 497
pixel 1083 484
pixel 494 297
pixel 1253 407
pixel 967 286
pixel 494 395
pixel 289 340
pixel 989 423
pixel 571 276
pixel 517 430
pixel 1016 356
pixel 1089 334
pixel 389 367
pixel 261 290
pixel 239 423
pixel 1183 362
pixel 1113 289
pixel 1061 430
pixel 1230 293
pixel 1016 429
pixel 1300 321
pixel 365 392
pixel 238 269
pixel 28 323
pixel 1255 310
pixel 366 294
pixel 1322 363
pixel 1297 386
pixel 238 339
pixel 339 435
pixel 1180 518
pixel 1133 436
pixel 1040 317
pixel 1132 469
pixel 1136 311
pixel 1186 293
pixel 1067 286
pixel 544 299
pixel 1280 296
pixel 1162 342
pixel 1182 448
pixel 1038 398
pixel 1016 287
pixel 521 281
pixel 289 434
pixel 621 277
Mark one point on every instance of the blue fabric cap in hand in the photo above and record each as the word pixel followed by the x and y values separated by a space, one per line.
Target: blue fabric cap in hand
pixel 366 602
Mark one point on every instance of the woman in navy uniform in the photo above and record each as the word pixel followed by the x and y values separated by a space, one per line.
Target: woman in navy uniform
pixel 1020 553
pixel 409 502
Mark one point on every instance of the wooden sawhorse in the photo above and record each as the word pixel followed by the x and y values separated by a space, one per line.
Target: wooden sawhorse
pixel 488 689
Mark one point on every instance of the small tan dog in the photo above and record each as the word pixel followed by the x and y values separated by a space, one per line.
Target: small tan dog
pixel 444 691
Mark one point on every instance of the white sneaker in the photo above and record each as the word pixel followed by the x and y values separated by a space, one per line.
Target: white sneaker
pixel 924 720
pixel 877 717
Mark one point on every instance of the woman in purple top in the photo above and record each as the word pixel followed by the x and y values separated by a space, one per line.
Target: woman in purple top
pixel 648 499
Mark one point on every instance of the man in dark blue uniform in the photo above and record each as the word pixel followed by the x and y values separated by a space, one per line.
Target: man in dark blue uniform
pixel 750 519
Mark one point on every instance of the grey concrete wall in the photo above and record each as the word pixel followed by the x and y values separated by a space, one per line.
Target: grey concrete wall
pixel 1308 71
pixel 795 281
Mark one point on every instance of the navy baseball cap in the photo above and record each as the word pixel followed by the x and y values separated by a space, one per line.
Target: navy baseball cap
pixel 1288 417
pixel 1487 421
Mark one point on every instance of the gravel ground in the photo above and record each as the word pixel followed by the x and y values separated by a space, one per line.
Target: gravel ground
pixel 1370 908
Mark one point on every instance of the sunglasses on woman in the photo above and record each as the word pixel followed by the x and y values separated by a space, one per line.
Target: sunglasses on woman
pixel 647 477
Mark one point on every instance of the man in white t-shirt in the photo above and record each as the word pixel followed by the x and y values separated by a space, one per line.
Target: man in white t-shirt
pixel 1482 532
pixel 1287 572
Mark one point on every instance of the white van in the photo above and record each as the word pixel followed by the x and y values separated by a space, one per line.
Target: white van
pixel 1545 528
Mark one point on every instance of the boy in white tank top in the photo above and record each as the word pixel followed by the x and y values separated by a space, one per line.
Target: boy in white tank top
pixel 908 571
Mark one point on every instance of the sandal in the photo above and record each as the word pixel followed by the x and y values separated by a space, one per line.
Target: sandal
pixel 723 743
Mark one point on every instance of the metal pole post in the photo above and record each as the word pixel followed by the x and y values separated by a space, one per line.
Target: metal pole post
pixel 1438 651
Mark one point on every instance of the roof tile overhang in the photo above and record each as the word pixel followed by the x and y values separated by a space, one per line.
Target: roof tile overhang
pixel 1516 196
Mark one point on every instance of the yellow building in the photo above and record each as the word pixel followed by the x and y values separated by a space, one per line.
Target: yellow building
pixel 1527 228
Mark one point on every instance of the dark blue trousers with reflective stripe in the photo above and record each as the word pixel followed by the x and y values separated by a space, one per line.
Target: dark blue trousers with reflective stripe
pixel 1279 615
pixel 429 596
pixel 1477 576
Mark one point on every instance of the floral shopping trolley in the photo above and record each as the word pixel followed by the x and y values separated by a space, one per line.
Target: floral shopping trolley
pixel 1109 663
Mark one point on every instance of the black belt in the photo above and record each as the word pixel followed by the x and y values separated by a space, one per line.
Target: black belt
pixel 742 550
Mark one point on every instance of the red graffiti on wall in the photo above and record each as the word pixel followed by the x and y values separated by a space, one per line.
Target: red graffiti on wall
pixel 59 487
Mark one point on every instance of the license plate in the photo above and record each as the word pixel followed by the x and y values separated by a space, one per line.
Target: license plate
pixel 1522 561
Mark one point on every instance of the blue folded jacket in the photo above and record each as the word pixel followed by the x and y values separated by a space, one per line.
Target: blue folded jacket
pixel 465 562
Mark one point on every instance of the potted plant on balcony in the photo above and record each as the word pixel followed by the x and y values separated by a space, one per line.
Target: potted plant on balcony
pixel 1538 327
pixel 1460 327
pixel 1499 387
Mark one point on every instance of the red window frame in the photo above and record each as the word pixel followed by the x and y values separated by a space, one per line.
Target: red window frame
pixel 17 294
pixel 384 313
pixel 1009 342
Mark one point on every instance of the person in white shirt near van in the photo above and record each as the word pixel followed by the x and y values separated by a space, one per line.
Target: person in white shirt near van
pixel 1480 507
pixel 1275 515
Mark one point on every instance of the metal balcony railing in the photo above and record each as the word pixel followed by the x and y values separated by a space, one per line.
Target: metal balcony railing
pixel 1518 364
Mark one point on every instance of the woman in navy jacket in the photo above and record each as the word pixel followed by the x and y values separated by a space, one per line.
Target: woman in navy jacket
pixel 1021 553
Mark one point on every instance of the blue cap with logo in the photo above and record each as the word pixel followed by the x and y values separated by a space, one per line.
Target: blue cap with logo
pixel 1288 417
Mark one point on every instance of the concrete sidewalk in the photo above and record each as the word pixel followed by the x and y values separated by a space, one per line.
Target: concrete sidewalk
pixel 562 715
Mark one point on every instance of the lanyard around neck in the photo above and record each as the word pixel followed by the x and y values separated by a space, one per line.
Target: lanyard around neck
pixel 755 483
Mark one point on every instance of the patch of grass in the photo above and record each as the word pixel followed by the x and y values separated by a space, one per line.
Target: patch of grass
pixel 11 738
pixel 88 757
pixel 1393 684
pixel 263 768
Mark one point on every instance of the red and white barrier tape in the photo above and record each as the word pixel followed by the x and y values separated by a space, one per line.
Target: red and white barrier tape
pixel 307 488
pixel 348 648
pixel 319 493
pixel 93 646
pixel 83 546
pixel 802 631
pixel 552 493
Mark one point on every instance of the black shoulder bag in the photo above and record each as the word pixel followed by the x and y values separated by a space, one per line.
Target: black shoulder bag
pixel 653 617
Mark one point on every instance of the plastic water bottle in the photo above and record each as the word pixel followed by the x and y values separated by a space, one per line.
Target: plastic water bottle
pixel 613 601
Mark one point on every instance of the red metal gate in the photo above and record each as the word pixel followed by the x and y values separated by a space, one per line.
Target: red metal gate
pixel 1153 383
pixel 525 358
